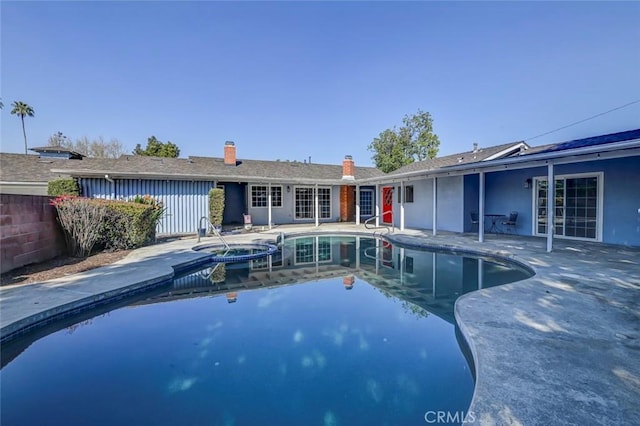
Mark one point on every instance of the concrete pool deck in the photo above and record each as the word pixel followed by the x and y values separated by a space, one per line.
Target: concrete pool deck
pixel 562 347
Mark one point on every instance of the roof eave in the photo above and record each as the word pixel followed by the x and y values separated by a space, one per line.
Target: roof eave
pixel 522 160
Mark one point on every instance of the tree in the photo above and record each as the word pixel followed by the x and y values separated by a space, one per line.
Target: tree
pixel 156 148
pixel 58 139
pixel 20 108
pixel 414 141
pixel 98 148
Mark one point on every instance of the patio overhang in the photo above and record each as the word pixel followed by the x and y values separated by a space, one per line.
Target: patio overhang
pixel 599 152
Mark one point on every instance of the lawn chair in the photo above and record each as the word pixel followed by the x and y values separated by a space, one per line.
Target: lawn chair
pixel 475 221
pixel 510 224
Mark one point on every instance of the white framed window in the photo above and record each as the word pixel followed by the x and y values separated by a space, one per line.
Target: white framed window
pixel 304 204
pixel 259 196
pixel 366 202
pixel 578 206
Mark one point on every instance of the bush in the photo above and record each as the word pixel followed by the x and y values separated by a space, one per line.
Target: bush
pixel 109 224
pixel 81 221
pixel 216 206
pixel 158 208
pixel 63 186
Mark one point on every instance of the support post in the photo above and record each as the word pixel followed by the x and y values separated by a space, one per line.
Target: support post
pixel 402 194
pixel 269 205
pixel 378 201
pixel 435 206
pixel 551 206
pixel 357 204
pixel 316 207
pixel 481 207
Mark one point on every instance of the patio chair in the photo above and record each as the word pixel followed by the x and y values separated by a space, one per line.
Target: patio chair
pixel 510 223
pixel 475 221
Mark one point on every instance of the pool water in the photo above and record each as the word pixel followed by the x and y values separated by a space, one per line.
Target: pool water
pixel 360 339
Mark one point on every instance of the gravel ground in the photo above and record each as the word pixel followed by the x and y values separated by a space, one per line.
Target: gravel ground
pixel 59 267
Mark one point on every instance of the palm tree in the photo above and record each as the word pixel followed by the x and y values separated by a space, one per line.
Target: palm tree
pixel 22 109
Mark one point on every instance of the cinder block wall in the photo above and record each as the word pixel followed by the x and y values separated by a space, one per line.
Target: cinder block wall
pixel 29 231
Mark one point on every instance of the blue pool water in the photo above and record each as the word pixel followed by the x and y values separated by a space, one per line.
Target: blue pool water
pixel 360 339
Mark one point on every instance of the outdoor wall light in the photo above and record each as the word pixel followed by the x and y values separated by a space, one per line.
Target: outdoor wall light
pixel 527 183
pixel 288 188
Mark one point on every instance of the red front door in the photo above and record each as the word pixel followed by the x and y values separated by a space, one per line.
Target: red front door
pixel 387 204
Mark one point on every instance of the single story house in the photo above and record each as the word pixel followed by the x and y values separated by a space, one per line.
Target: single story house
pixel 585 189
pixel 271 192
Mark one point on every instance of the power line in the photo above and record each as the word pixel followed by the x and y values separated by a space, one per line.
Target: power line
pixel 582 121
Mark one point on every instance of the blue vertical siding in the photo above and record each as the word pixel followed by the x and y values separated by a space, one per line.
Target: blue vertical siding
pixel 185 201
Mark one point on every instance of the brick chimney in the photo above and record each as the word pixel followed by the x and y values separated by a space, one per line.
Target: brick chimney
pixel 229 153
pixel 348 168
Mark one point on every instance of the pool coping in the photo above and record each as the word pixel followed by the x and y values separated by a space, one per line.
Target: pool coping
pixel 539 356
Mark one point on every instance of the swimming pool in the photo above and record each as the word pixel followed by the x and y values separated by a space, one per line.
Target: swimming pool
pixel 329 330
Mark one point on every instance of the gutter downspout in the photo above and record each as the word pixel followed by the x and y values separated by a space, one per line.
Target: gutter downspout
pixel 113 184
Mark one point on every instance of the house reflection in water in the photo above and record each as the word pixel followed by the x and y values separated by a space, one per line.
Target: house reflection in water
pixel 430 280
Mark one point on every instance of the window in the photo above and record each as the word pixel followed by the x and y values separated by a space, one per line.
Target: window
pixel 366 202
pixel 408 194
pixel 578 206
pixel 276 196
pixel 259 196
pixel 305 203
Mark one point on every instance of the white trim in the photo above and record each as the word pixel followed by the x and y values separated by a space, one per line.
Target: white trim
pixel 620 150
pixel 269 187
pixel 481 196
pixel 402 201
pixel 600 205
pixel 435 206
pixel 507 151
pixel 359 204
pixel 315 205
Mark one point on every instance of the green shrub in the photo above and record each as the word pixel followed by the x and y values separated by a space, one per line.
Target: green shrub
pixel 158 208
pixel 216 206
pixel 128 225
pixel 63 186
pixel 108 224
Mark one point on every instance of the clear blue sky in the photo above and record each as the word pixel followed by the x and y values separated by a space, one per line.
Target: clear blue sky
pixel 297 79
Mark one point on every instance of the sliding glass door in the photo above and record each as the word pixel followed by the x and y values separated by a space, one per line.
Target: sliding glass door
pixel 578 206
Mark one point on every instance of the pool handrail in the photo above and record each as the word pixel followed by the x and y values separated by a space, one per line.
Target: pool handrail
pixel 213 229
pixel 367 223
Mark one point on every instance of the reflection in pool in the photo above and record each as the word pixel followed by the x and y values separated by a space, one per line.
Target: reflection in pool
pixel 365 337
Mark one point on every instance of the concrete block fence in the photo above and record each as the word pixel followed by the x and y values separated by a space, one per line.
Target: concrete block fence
pixel 29 231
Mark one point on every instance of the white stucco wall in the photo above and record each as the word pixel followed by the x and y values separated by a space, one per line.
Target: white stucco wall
pixel 451 204
pixel 419 214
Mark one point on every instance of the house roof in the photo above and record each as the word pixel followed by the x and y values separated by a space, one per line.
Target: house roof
pixel 474 156
pixel 585 142
pixel 58 150
pixel 32 168
pixel 208 168
pixel 29 168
